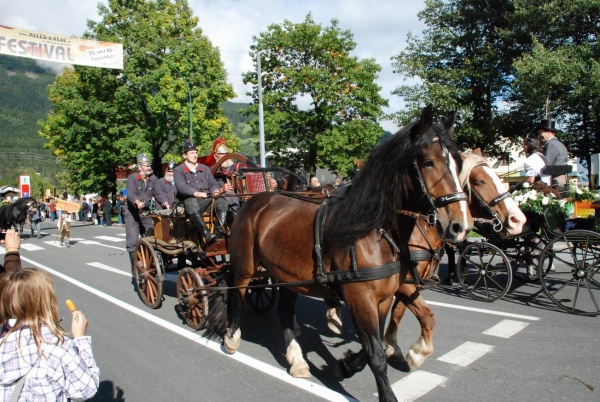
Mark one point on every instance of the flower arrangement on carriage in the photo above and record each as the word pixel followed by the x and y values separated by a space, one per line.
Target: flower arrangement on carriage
pixel 582 200
pixel 535 202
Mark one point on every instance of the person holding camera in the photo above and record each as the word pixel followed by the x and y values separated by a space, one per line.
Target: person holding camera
pixel 140 190
pixel 12 258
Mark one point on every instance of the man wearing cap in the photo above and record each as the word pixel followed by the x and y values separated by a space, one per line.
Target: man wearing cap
pixel 222 176
pixel 554 151
pixel 164 191
pixel 194 184
pixel 140 190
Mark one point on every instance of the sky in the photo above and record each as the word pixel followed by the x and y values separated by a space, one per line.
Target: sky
pixel 380 28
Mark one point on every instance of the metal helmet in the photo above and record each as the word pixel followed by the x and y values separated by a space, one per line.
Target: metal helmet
pixel 171 166
pixel 143 160
pixel 189 146
pixel 222 149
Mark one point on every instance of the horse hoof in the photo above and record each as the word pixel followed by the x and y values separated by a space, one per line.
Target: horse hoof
pixel 414 360
pixel 232 342
pixel 300 370
pixel 335 327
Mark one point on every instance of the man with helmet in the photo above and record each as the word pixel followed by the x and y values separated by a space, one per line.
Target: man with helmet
pixel 140 190
pixel 222 175
pixel 194 184
pixel 164 191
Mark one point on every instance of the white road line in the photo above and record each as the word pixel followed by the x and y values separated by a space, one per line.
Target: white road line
pixel 275 372
pixel 122 234
pixel 506 328
pixel 108 268
pixel 31 247
pixel 97 243
pixel 415 385
pixel 466 353
pixel 109 238
pixel 481 310
pixel 54 243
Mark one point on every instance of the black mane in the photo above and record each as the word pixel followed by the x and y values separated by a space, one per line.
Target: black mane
pixel 13 214
pixel 385 184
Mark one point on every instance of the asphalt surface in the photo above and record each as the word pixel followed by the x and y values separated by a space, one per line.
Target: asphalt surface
pixel 519 348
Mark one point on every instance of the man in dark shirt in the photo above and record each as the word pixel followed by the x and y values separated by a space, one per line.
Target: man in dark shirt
pixel 164 191
pixel 554 151
pixel 140 190
pixel 194 184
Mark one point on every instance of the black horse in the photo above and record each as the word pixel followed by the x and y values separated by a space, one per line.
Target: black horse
pixel 14 214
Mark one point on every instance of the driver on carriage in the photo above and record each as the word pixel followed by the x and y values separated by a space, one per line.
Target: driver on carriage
pixel 194 184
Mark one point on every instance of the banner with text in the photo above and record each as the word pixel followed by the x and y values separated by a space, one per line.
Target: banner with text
pixel 61 49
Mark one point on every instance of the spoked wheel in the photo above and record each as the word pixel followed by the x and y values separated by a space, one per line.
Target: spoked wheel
pixel 193 301
pixel 262 300
pixel 572 279
pixel 149 275
pixel 484 271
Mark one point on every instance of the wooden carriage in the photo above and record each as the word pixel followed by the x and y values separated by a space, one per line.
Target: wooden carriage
pixel 174 237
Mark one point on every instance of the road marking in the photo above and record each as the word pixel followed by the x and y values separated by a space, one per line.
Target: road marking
pixel 109 238
pixel 31 247
pixel 506 328
pixel 97 243
pixel 54 243
pixel 466 353
pixel 278 373
pixel 481 310
pixel 415 385
pixel 108 268
pixel 121 234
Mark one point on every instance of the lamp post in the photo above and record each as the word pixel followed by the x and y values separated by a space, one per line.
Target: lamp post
pixel 152 54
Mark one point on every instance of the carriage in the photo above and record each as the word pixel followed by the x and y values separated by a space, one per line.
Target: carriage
pixel 563 255
pixel 174 237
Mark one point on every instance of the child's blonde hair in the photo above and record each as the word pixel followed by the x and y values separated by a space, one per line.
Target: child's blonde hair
pixel 27 295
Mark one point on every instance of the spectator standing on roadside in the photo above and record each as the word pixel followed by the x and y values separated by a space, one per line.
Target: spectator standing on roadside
pixel 51 206
pixel 35 219
pixel 39 362
pixel 107 209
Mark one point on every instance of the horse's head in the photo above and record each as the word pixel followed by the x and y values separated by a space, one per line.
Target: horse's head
pixel 437 167
pixel 488 198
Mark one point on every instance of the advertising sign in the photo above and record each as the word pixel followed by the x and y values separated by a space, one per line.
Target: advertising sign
pixel 61 49
pixel 25 186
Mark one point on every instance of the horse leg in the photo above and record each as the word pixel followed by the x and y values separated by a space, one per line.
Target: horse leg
pixel 451 271
pixel 369 321
pixel 233 334
pixel 393 352
pixel 286 308
pixel 423 347
pixel 334 314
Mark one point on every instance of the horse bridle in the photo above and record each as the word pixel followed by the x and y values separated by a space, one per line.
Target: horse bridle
pixel 438 202
pixel 496 223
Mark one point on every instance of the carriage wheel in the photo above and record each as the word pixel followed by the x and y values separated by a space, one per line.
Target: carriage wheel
pixel 149 275
pixel 193 302
pixel 262 300
pixel 484 271
pixel 572 279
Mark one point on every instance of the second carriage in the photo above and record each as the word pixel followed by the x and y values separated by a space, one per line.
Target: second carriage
pixel 562 254
pixel 175 245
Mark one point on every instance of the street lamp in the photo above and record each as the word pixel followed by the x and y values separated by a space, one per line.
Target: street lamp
pixel 152 54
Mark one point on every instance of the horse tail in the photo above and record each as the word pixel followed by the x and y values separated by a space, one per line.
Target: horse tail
pixel 216 319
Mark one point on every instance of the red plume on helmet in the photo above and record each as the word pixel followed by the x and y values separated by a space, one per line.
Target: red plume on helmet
pixel 209 160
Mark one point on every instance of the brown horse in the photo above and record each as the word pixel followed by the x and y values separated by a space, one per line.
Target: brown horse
pixel 415 170
pixel 492 209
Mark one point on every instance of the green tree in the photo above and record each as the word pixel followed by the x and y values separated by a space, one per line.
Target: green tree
pixel 560 78
pixel 317 99
pixel 102 118
pixel 463 62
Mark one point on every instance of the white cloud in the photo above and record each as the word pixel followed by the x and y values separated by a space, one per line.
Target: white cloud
pixel 379 28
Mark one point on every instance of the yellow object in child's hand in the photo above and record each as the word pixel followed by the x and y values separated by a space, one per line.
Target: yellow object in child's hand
pixel 70 305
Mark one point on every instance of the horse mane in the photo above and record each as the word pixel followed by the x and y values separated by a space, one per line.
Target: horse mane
pixel 470 161
pixel 382 187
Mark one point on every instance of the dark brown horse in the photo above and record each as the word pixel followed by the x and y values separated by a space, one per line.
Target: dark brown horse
pixel 415 170
pixel 492 209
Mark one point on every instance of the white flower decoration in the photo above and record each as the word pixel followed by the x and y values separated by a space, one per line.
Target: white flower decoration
pixel 545 200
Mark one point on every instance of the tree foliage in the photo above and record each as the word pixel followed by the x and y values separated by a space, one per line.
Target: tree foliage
pixel 318 99
pixel 463 62
pixel 102 118
pixel 560 78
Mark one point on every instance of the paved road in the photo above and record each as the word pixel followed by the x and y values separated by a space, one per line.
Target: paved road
pixel 519 348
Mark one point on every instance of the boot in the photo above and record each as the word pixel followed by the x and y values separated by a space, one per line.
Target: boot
pixel 68 242
pixel 132 259
pixel 62 241
pixel 201 227
pixel 222 221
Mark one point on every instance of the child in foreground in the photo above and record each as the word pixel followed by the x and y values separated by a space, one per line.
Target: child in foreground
pixel 34 345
